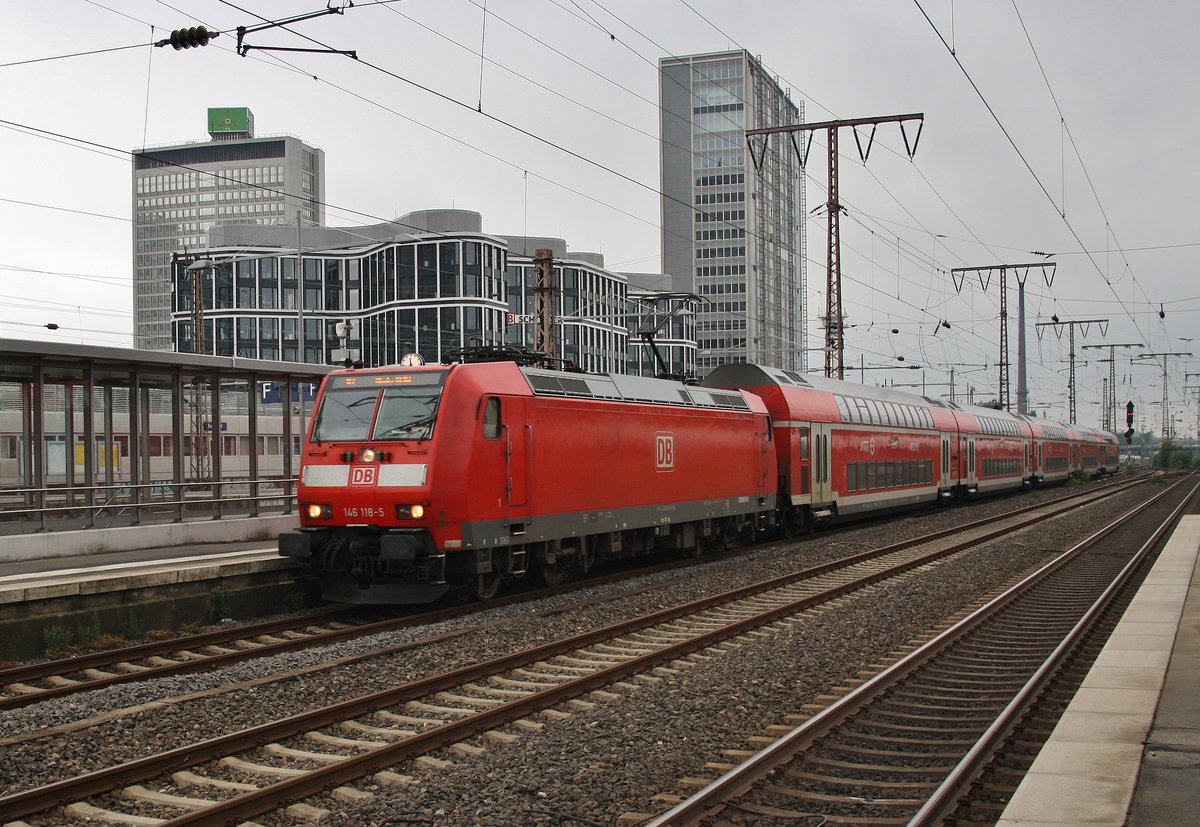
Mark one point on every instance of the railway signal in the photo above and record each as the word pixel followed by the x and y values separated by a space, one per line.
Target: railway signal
pixel 1129 422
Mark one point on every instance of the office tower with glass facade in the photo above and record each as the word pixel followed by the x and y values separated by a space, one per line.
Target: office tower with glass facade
pixel 430 283
pixel 731 233
pixel 181 191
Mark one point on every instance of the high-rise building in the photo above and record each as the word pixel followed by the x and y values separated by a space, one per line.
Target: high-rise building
pixel 181 191
pixel 731 233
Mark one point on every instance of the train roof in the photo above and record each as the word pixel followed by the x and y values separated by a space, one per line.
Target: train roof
pixel 613 387
pixel 628 388
pixel 987 420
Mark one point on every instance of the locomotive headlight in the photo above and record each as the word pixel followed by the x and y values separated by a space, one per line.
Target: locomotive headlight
pixel 368 455
pixel 410 512
pixel 418 511
pixel 316 511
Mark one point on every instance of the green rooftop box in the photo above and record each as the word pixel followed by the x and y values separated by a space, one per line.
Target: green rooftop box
pixel 224 119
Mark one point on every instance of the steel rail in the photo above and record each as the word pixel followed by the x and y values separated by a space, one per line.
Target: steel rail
pixel 103 780
pixel 950 791
pixel 96 660
pixel 737 781
pixel 272 796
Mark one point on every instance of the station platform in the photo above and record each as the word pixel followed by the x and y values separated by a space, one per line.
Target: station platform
pixel 63 563
pixel 130 580
pixel 1127 749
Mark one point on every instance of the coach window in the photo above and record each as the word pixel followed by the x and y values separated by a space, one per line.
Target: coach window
pixel 491 419
pixel 843 408
pixel 804 444
pixel 852 476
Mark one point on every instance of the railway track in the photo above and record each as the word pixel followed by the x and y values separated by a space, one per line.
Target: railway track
pixel 906 746
pixel 33 683
pixel 29 684
pixel 259 769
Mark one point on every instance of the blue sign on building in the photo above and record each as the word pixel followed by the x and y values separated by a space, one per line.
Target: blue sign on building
pixel 271 393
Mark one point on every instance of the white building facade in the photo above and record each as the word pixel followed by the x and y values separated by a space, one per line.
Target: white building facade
pixel 182 191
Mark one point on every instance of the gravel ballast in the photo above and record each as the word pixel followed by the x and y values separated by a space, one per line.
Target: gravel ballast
pixel 599 762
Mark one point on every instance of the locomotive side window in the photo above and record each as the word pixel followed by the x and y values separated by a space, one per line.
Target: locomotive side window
pixel 491 419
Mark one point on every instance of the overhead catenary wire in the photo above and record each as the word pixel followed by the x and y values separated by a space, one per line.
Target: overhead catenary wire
pixel 1028 166
pixel 119 152
pixel 906 282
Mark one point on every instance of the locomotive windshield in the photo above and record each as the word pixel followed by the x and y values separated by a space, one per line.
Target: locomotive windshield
pixel 378 407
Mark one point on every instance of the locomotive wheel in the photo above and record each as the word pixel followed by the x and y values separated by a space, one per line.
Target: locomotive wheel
pixel 552 574
pixel 487 586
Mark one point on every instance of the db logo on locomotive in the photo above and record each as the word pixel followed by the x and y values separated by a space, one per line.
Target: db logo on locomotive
pixel 364 474
pixel 664 451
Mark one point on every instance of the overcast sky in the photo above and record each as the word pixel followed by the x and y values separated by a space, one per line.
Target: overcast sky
pixel 1072 131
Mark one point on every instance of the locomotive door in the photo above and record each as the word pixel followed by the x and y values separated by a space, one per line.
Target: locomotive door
pixel 518 437
pixel 822 488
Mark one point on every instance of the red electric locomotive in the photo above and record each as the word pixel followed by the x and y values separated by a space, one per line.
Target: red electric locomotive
pixel 420 481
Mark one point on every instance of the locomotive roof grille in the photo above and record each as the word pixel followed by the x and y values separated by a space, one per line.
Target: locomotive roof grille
pixel 727 400
pixel 796 378
pixel 623 388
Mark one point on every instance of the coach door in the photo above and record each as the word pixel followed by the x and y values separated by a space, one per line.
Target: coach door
pixel 763 441
pixel 944 479
pixel 821 486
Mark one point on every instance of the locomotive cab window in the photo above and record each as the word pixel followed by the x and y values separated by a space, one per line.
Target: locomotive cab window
pixel 345 415
pixel 379 406
pixel 407 413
